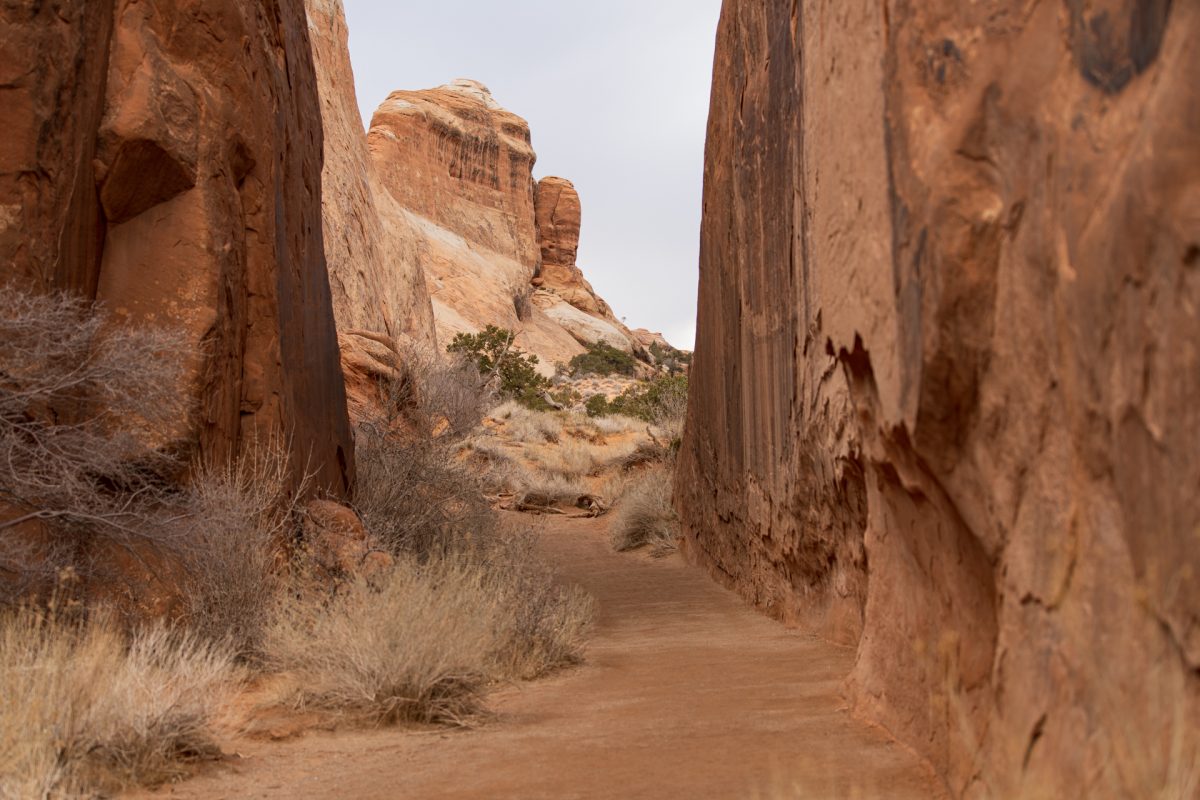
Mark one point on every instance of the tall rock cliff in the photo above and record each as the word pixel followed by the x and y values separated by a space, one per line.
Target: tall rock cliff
pixel 380 300
pixel 166 160
pixel 945 386
pixel 455 177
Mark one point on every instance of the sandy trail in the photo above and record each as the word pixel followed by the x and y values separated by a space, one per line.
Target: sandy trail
pixel 686 693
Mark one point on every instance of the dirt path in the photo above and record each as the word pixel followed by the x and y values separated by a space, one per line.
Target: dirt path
pixel 686 693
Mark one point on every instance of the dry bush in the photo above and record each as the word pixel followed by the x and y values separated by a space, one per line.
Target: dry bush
pixel 238 516
pixel 528 426
pixel 84 711
pixel 441 391
pixel 412 649
pixel 415 497
pixel 540 490
pixel 80 399
pixel 421 644
pixel 616 424
pixel 646 516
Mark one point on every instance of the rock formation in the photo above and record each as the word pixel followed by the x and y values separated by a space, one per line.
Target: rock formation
pixel 166 160
pixel 379 297
pixel 455 176
pixel 944 391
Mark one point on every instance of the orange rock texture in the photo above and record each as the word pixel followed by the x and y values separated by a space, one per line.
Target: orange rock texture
pixel 455 178
pixel 945 386
pixel 165 159
pixel 380 301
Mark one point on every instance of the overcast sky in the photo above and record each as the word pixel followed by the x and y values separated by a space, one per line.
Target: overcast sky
pixel 616 94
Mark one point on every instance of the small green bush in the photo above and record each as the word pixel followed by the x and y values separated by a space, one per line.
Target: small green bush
pixel 598 406
pixel 663 398
pixel 493 353
pixel 603 359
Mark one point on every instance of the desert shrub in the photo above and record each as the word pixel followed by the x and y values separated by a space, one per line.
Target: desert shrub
pixel 662 402
pixel 238 516
pixel 420 644
pixel 442 393
pixel 527 425
pixel 503 365
pixel 566 396
pixel 598 406
pixel 645 516
pixel 83 404
pixel 602 359
pixel 676 361
pixel 85 711
pixel 415 497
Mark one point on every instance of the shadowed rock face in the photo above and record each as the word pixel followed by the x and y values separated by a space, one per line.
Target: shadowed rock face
pixel 945 386
pixel 165 158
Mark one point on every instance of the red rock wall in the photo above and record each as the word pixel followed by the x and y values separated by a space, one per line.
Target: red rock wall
pixel 946 390
pixel 167 160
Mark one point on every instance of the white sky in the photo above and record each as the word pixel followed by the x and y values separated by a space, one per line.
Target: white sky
pixel 616 93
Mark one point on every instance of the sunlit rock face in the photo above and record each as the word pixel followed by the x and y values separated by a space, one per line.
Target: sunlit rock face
pixel 380 300
pixel 455 177
pixel 945 391
pixel 165 158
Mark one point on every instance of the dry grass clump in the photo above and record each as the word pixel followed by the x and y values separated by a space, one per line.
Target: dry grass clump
pixel 465 604
pixel 616 423
pixel 84 710
pixel 646 517
pixel 528 426
pixel 420 644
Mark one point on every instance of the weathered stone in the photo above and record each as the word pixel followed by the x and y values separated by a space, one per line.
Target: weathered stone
pixel 374 271
pixel 945 386
pixel 165 159
pixel 455 181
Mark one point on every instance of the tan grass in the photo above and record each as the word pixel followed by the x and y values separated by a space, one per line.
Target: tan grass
pixel 421 644
pixel 84 711
pixel 645 516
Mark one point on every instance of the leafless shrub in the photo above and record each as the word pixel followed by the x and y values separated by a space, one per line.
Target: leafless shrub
pixel 415 497
pixel 646 516
pixel 443 393
pixel 84 403
pixel 238 517
pixel 84 711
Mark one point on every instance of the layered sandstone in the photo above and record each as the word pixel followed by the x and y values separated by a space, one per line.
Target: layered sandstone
pixel 455 178
pixel 945 387
pixel 166 160
pixel 380 301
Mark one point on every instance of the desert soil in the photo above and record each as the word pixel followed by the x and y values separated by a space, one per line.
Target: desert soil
pixel 685 693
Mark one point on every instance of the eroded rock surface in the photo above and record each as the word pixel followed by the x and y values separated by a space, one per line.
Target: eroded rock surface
pixel 380 301
pixel 945 387
pixel 166 160
pixel 455 177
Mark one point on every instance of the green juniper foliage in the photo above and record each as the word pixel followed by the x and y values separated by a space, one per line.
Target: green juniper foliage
pixel 603 359
pixel 493 352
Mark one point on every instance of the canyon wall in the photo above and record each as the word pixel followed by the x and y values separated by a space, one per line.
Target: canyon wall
pixel 380 301
pixel 945 386
pixel 166 160
pixel 454 174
